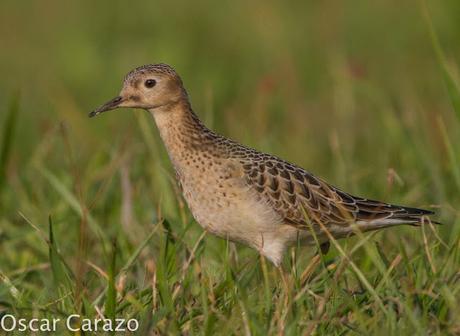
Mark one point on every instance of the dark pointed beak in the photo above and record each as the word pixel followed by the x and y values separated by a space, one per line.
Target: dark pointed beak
pixel 110 105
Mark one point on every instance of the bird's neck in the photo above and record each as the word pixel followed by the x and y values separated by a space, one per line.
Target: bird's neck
pixel 181 130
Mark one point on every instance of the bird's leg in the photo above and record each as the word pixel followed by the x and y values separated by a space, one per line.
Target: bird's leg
pixel 324 247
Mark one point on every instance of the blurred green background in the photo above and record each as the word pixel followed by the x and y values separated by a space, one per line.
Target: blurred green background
pixel 351 90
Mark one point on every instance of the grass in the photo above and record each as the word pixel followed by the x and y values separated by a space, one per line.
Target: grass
pixel 91 221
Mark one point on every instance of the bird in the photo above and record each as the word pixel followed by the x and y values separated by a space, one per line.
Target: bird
pixel 242 194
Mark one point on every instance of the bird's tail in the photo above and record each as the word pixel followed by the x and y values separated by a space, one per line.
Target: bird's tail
pixel 374 215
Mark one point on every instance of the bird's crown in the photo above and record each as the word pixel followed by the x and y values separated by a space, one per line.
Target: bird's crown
pixel 159 68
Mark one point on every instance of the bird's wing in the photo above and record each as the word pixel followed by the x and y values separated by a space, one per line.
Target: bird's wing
pixel 298 197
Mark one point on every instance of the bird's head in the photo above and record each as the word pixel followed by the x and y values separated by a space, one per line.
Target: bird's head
pixel 147 87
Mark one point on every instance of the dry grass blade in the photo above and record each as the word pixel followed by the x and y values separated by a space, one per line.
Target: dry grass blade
pixel 426 246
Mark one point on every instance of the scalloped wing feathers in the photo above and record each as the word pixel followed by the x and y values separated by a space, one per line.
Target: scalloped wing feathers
pixel 296 194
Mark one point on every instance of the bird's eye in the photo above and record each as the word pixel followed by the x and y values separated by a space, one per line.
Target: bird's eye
pixel 150 83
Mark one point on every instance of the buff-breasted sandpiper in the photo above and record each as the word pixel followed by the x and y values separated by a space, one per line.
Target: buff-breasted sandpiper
pixel 244 195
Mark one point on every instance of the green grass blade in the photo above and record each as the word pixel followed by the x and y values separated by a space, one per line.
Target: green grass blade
pixel 138 251
pixel 7 139
pixel 59 269
pixel 453 88
pixel 70 198
pixel 130 261
pixel 111 298
pixel 164 267
pixel 454 164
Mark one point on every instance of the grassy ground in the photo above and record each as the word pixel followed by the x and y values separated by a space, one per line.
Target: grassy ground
pixel 362 93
